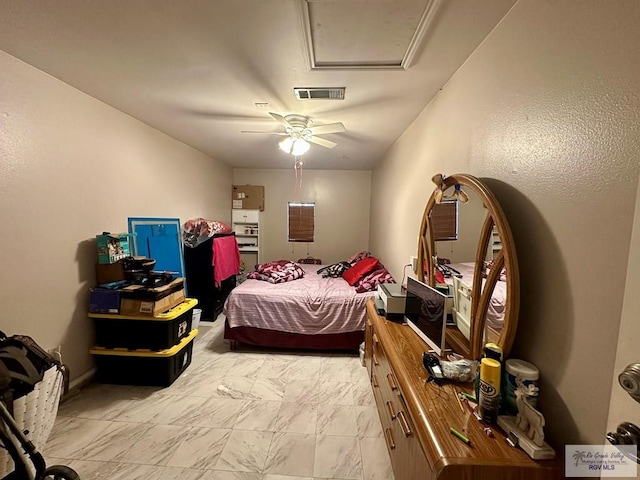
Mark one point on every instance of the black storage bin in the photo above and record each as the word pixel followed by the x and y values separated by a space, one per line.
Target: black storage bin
pixel 127 367
pixel 141 332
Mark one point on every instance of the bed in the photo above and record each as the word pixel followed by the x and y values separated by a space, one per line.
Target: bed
pixel 311 312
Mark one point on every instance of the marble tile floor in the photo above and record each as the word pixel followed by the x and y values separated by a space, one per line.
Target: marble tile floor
pixel 249 414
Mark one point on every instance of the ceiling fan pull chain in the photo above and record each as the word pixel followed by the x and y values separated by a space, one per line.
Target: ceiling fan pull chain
pixel 297 165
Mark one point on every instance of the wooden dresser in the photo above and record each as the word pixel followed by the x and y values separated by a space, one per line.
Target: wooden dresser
pixel 416 417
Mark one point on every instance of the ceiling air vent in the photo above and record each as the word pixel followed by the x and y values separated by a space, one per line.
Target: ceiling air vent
pixel 319 93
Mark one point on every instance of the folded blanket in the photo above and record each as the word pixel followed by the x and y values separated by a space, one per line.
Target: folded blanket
pixel 370 282
pixel 277 272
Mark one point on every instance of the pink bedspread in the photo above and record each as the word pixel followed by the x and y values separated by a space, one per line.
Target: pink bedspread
pixel 311 305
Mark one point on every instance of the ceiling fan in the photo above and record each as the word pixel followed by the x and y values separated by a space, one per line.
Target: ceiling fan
pixel 299 133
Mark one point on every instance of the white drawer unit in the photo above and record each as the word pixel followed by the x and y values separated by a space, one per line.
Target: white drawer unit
pixel 245 216
pixel 462 306
pixel 393 298
pixel 246 225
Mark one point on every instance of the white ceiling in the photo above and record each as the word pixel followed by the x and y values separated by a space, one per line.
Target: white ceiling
pixel 194 69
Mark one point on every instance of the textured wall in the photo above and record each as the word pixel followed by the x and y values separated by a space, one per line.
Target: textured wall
pixel 547 111
pixel 341 212
pixel 71 167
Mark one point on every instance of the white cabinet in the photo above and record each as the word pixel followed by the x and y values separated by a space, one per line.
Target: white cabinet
pixel 245 216
pixel 246 224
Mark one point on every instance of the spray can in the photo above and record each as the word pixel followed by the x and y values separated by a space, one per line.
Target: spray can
pixel 489 401
pixel 490 350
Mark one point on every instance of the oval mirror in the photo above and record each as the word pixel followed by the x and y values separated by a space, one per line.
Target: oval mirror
pixel 465 242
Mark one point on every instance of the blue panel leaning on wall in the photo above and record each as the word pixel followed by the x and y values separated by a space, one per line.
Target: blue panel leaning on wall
pixel 160 239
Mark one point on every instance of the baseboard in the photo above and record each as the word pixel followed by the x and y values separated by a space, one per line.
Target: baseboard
pixel 79 383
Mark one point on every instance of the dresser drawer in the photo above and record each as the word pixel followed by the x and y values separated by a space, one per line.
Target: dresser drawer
pixel 380 375
pixel 405 450
pixel 386 402
pixel 384 394
pixel 407 458
pixel 381 367
pixel 412 460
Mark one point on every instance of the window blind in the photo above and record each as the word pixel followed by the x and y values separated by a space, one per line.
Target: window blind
pixel 444 218
pixel 301 222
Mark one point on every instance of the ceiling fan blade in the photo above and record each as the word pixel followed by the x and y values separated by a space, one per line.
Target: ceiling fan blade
pixel 328 128
pixel 264 133
pixel 280 119
pixel 322 142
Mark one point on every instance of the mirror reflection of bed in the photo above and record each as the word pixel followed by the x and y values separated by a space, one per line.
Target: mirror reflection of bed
pixel 464 245
pixel 459 255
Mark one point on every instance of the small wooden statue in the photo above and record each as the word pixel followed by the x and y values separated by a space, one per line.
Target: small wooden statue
pixel 529 420
pixel 525 430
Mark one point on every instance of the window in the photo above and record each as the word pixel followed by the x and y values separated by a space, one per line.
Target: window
pixel 444 218
pixel 301 222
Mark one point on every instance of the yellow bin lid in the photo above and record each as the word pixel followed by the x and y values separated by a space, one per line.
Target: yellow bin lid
pixel 171 314
pixel 123 352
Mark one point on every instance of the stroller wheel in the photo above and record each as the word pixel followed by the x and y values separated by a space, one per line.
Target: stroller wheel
pixel 60 472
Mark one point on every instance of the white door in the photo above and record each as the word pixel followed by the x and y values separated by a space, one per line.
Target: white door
pixel 623 407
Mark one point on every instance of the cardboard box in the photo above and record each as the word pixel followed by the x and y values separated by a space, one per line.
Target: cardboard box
pixel 112 247
pixel 151 308
pixel 142 292
pixel 109 272
pixel 139 300
pixel 248 197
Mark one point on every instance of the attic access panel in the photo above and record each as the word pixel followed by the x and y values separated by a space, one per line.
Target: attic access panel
pixel 364 34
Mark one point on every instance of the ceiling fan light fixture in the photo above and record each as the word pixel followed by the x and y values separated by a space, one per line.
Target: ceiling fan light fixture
pixel 294 146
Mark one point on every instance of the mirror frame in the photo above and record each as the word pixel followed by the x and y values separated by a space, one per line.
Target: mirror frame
pixel 506 258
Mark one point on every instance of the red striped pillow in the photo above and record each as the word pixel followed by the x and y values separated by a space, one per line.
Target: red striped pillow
pixel 360 269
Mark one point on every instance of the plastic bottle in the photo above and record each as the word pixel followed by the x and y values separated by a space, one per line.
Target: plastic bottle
pixel 489 400
pixel 518 371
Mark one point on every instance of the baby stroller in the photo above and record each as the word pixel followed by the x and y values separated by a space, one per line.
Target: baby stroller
pixel 23 364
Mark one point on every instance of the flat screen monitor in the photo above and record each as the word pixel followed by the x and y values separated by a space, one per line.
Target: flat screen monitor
pixel 425 312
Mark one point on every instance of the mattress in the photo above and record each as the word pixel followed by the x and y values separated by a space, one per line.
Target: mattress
pixel 311 305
